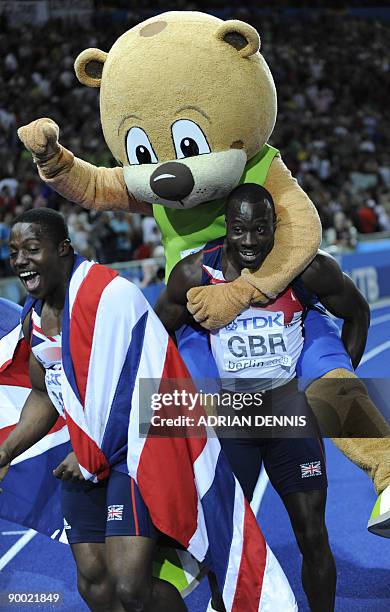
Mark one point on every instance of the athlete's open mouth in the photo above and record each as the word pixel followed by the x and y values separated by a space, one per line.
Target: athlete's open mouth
pixel 31 280
pixel 249 255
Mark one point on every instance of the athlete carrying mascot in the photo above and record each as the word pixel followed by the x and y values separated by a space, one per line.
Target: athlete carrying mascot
pixel 187 106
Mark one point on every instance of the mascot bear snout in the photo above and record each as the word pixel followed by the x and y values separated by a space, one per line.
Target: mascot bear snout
pixel 172 181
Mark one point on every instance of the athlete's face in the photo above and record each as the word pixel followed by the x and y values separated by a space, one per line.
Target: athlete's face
pixel 36 259
pixel 250 233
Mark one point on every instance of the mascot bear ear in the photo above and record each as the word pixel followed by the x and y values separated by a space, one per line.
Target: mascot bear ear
pixel 239 35
pixel 89 67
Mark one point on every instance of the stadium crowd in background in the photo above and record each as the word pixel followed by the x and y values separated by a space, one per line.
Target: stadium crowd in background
pixel 333 128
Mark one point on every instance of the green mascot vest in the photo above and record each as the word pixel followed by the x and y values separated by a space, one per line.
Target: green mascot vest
pixel 186 231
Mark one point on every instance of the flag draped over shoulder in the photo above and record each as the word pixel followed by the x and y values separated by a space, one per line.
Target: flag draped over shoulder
pixel 30 491
pixel 31 494
pixel 111 342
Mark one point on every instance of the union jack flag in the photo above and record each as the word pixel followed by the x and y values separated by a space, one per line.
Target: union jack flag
pixel 115 512
pixel 311 469
pixel 111 340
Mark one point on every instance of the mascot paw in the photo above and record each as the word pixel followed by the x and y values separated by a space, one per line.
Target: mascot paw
pixel 41 138
pixel 215 306
pixel 379 522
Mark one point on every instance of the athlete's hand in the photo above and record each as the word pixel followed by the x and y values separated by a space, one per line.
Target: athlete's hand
pixel 215 306
pixel 40 137
pixel 68 469
pixel 5 462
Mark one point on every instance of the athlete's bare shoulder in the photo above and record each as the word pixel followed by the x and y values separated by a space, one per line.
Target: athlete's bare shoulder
pixel 186 274
pixel 323 275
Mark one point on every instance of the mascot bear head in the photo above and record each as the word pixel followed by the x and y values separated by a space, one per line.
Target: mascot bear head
pixel 186 100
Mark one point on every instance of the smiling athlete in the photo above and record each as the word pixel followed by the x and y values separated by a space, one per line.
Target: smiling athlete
pixel 108 525
pixel 259 350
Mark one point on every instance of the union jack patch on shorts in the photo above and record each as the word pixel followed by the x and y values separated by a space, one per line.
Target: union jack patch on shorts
pixel 115 513
pixel 311 469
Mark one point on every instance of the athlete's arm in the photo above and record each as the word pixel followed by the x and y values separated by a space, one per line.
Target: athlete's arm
pixel 37 418
pixel 171 307
pixel 339 295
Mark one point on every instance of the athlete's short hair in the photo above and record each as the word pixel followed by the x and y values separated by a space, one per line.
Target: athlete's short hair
pixel 52 223
pixel 252 193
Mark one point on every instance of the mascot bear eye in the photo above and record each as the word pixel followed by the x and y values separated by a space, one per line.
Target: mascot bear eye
pixel 188 139
pixel 189 147
pixel 138 147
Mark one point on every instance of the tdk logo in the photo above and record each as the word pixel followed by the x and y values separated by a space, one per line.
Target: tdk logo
pixel 249 323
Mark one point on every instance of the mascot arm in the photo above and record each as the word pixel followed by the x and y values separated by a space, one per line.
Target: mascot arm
pixel 91 186
pixel 297 234
pixel 297 238
pixel 75 179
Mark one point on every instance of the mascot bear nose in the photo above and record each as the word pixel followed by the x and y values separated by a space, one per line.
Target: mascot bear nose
pixel 172 181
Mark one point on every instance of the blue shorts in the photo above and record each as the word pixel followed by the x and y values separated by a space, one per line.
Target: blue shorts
pixel 292 464
pixel 113 507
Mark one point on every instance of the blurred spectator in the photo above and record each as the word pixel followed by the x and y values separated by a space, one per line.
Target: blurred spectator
pixel 121 226
pixel 12 186
pixel 149 269
pixel 144 251
pixel 79 234
pixel 8 202
pixel 367 218
pixel 383 218
pixel 104 238
pixel 150 232
pixel 343 235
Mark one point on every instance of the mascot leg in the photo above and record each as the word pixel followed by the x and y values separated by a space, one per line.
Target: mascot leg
pixel 341 405
pixel 343 408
